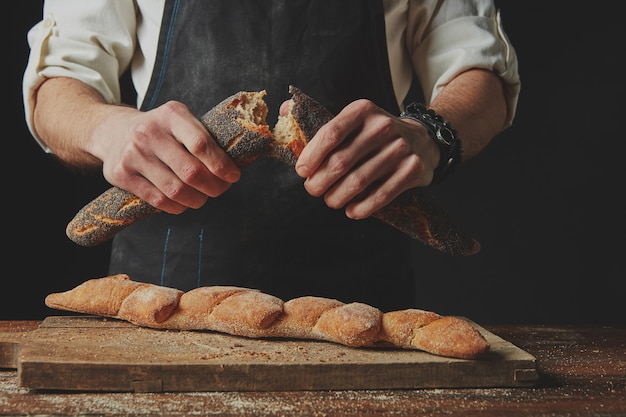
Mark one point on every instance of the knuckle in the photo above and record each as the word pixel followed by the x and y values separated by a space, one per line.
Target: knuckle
pixel 357 182
pixel 338 163
pixel 219 169
pixel 197 145
pixel 143 134
pixel 190 174
pixel 172 107
pixel 157 200
pixel 173 190
pixel 118 174
pixel 329 135
pixel 401 147
pixel 143 130
pixel 384 125
pixel 413 166
pixel 363 105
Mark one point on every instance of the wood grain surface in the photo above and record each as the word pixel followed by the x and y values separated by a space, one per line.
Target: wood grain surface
pixel 84 353
pixel 582 372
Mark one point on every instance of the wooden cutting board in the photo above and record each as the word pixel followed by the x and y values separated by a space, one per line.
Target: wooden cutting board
pixel 84 353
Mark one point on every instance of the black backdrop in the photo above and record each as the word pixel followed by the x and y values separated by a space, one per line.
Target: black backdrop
pixel 545 199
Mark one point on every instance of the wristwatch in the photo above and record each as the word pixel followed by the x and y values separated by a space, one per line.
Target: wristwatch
pixel 450 147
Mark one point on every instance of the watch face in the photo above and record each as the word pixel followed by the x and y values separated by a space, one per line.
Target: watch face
pixel 445 135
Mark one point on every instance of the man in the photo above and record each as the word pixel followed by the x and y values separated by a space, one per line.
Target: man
pixel 260 226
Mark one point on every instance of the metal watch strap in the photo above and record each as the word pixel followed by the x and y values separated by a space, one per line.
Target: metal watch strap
pixel 450 147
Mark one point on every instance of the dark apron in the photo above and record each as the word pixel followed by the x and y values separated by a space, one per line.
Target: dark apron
pixel 266 232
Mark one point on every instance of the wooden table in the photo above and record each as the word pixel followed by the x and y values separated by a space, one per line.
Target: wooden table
pixel 582 373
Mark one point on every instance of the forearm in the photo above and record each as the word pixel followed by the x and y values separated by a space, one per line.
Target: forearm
pixel 66 114
pixel 475 104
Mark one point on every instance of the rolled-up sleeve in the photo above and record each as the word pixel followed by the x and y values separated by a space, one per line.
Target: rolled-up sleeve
pixel 460 36
pixel 91 41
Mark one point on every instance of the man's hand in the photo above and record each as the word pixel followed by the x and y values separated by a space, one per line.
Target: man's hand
pixel 164 156
pixel 365 157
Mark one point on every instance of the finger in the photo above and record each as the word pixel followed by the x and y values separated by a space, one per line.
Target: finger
pixel 284 108
pixel 198 142
pixel 353 152
pixel 329 137
pixel 188 172
pixel 149 193
pixel 331 170
pixel 156 172
pixel 384 192
pixel 372 169
pixel 191 154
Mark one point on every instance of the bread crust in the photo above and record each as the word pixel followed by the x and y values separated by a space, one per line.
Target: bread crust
pixel 106 215
pixel 417 213
pixel 239 126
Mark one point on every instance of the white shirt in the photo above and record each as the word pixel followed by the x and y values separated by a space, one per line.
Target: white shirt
pixel 95 41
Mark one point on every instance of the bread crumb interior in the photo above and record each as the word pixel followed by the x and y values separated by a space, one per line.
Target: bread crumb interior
pixel 285 128
pixel 253 108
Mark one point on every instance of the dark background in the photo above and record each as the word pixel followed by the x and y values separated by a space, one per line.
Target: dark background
pixel 545 199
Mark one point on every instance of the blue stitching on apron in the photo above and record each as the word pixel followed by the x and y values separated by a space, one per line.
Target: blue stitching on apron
pixel 201 236
pixel 167 238
pixel 165 54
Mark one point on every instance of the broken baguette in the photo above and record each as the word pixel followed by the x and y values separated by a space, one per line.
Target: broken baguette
pixel 239 126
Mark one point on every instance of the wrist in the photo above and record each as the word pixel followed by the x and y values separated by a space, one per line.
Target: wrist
pixel 443 135
pixel 109 124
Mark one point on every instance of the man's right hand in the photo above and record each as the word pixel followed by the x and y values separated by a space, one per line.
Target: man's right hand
pixel 164 156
